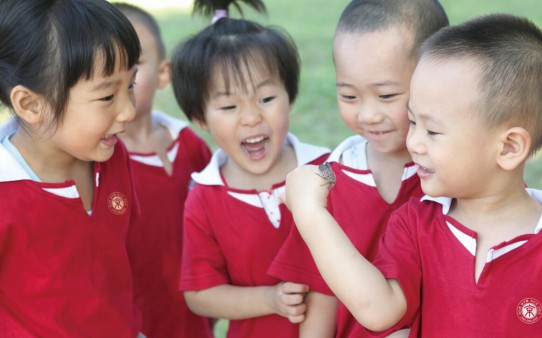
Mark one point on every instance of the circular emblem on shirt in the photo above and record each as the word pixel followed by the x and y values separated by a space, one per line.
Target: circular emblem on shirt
pixel 117 203
pixel 529 310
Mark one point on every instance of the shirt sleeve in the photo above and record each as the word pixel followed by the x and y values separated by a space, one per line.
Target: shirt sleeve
pixel 203 264
pixel 398 258
pixel 294 263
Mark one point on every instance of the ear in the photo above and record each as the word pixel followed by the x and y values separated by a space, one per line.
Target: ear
pixel 27 104
pixel 515 148
pixel 164 73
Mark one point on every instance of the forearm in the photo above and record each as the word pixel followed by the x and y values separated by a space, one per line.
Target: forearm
pixel 375 302
pixel 320 320
pixel 231 302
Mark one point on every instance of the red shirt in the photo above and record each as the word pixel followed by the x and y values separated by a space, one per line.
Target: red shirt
pixel 155 240
pixel 359 209
pixel 63 272
pixel 433 258
pixel 231 238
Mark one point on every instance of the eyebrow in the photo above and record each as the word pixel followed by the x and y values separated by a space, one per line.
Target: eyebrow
pixel 259 85
pixel 376 84
pixel 425 117
pixel 110 83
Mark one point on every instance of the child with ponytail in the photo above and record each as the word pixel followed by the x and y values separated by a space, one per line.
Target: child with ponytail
pixel 238 80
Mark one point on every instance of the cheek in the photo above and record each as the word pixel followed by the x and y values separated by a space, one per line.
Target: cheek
pixel 348 113
pixel 144 86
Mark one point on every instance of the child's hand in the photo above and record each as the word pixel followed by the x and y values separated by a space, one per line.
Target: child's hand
pixel 305 189
pixel 289 301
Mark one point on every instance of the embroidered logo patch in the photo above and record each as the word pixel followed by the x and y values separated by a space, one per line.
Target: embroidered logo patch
pixel 117 203
pixel 529 310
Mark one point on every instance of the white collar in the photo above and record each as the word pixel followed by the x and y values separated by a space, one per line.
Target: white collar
pixel 10 169
pixel 172 124
pixel 345 145
pixel 446 203
pixel 305 153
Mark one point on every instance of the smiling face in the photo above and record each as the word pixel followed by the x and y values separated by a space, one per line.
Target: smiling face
pixel 456 152
pixel 249 124
pixel 96 112
pixel 373 73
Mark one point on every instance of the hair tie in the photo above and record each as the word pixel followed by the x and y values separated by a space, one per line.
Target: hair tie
pixel 219 14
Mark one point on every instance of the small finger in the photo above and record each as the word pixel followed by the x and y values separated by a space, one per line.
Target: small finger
pixel 296 319
pixel 292 299
pixel 289 287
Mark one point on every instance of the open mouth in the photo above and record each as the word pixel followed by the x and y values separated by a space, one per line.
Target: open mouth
pixel 109 139
pixel 255 147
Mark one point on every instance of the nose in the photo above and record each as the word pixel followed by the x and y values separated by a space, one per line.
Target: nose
pixel 127 110
pixel 251 115
pixel 414 140
pixel 368 113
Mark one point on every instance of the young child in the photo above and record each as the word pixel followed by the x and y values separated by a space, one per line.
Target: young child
pixel 467 255
pixel 67 72
pixel 164 151
pixel 238 81
pixel 375 52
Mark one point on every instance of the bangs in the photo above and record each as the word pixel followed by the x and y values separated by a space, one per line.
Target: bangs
pixel 112 43
pixel 243 70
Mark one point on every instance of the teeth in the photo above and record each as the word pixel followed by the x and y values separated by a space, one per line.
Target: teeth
pixel 254 139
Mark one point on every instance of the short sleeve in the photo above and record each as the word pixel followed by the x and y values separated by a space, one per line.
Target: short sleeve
pixel 398 258
pixel 203 264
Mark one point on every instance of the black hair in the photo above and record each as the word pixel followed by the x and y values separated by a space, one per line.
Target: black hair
pixel 228 46
pixel 508 51
pixel 423 17
pixel 142 16
pixel 47 46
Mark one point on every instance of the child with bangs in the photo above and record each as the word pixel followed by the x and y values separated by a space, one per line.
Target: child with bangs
pixel 164 152
pixel 67 72
pixel 375 50
pixel 238 80
pixel 467 257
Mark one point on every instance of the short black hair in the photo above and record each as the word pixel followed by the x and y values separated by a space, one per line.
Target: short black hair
pixel 508 50
pixel 142 16
pixel 49 45
pixel 228 46
pixel 423 17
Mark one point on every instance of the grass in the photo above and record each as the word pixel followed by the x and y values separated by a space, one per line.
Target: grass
pixel 311 23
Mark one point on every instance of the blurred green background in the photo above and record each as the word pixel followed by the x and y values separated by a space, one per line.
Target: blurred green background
pixel 311 23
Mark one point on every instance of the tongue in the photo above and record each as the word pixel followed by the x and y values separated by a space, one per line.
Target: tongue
pixel 255 149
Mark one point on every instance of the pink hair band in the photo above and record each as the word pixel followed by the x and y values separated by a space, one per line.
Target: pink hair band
pixel 219 14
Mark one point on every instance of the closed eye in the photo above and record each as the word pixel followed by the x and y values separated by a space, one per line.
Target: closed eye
pixel 348 97
pixel 227 108
pixel 267 99
pixel 388 96
pixel 107 98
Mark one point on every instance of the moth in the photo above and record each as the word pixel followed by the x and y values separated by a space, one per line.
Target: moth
pixel 327 174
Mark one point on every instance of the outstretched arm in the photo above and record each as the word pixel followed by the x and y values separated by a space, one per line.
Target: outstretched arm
pixel 377 303
pixel 237 302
